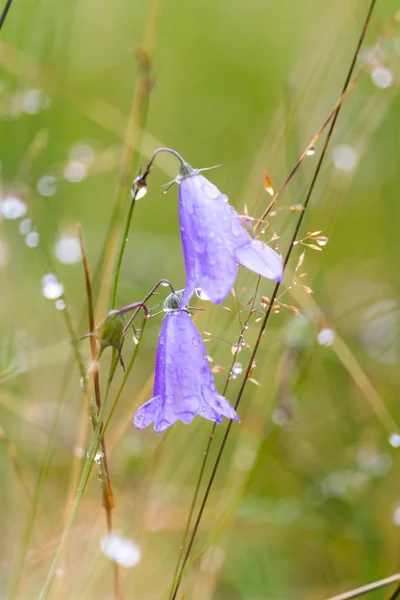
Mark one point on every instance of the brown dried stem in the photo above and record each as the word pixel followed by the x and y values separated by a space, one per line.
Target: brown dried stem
pixel 108 499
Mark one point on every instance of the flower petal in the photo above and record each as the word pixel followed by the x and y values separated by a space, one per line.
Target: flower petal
pixel 209 413
pixel 220 404
pixel 209 220
pixel 261 259
pixel 147 413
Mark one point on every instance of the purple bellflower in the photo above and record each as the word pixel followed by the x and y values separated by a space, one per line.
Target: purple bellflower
pixel 214 240
pixel 183 383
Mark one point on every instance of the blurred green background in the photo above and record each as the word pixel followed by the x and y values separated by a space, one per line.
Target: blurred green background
pixel 306 503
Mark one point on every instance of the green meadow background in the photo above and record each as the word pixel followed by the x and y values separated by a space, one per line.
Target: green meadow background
pixel 306 503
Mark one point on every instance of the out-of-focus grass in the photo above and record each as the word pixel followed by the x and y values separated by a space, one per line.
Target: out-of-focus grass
pixel 302 507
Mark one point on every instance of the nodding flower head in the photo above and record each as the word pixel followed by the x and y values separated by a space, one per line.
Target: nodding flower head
pixel 214 240
pixel 183 383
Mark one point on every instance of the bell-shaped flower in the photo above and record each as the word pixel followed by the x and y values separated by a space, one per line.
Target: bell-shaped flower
pixel 183 383
pixel 215 242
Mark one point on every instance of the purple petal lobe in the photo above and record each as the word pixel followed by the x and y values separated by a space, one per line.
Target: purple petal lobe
pixel 147 413
pixel 220 405
pixel 261 259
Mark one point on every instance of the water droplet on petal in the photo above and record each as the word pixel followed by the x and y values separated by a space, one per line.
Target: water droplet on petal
pixel 200 294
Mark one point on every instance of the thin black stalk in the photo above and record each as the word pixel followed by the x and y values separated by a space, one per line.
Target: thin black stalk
pixel 4 13
pixel 274 295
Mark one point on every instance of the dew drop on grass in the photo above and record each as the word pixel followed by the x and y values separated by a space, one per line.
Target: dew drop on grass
pixel 326 337
pixel 98 457
pixel 394 440
pixel 12 208
pixel 75 171
pixel 32 239
pixel 310 151
pixel 121 550
pixel 60 304
pixel 67 249
pixel 25 226
pixel 46 185
pixel 51 287
pixel 237 368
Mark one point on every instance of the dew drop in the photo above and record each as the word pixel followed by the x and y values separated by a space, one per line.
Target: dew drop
pixel 394 440
pixel 32 239
pixel 121 550
pixel 310 151
pixel 98 457
pixel 60 304
pixel 46 185
pixel 51 287
pixel 34 101
pixel 25 226
pixel 200 294
pixel 142 191
pixel 345 158
pixel 13 208
pixel 237 368
pixel 67 249
pixel 135 340
pixel 326 337
pixel 75 171
pixel 396 516
pixel 382 77
pixel 82 151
